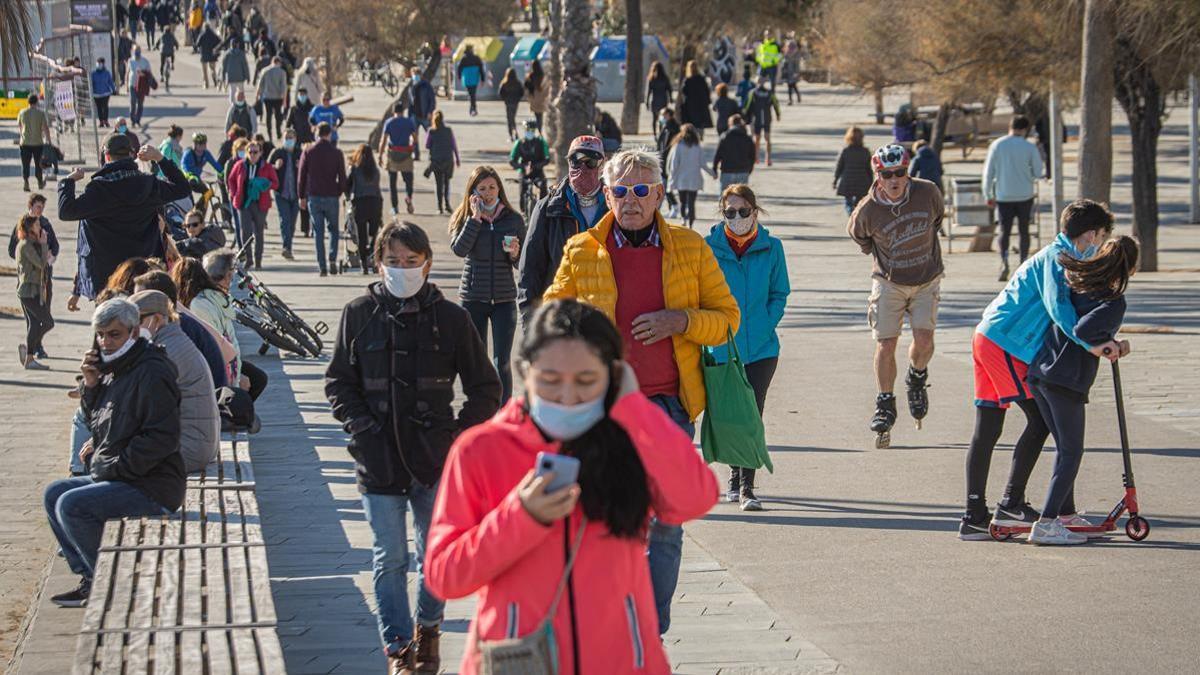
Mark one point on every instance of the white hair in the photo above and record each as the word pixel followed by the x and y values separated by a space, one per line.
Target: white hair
pixel 639 158
pixel 120 310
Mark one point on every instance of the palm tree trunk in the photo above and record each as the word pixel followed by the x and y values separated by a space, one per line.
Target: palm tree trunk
pixel 1095 109
pixel 576 102
pixel 632 104
pixel 554 79
pixel 535 19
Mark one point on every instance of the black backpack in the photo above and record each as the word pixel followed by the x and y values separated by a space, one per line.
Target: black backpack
pixel 237 410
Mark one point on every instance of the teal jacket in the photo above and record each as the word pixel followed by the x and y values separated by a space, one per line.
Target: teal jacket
pixel 1018 318
pixel 759 283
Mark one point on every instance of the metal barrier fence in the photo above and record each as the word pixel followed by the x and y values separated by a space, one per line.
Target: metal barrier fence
pixel 60 64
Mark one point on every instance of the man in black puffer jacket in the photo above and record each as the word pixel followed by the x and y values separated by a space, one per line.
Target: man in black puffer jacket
pixel 131 404
pixel 735 155
pixel 118 212
pixel 391 383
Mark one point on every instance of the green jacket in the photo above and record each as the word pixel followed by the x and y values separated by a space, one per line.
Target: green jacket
pixel 32 271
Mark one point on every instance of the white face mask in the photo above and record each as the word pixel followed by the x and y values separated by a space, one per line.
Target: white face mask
pixel 741 226
pixel 145 333
pixel 108 358
pixel 403 282
pixel 565 422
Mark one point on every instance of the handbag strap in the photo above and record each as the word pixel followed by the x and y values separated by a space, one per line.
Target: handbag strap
pixel 732 345
pixel 562 583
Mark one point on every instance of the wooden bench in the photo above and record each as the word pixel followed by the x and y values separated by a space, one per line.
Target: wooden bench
pixel 187 593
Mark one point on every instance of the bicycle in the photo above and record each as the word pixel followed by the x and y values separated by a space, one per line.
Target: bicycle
pixel 529 198
pixel 268 316
pixel 388 80
pixel 219 213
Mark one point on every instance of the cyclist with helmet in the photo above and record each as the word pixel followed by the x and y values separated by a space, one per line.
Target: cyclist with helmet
pixel 530 154
pixel 194 160
pixel 898 224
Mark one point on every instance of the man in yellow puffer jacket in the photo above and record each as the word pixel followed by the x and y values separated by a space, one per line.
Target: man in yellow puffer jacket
pixel 662 287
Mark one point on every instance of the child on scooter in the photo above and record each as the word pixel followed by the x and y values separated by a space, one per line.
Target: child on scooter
pixel 1063 372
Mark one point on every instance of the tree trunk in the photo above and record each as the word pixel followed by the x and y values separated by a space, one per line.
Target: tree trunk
pixel 938 134
pixel 878 92
pixel 1095 109
pixel 1144 103
pixel 632 104
pixel 535 21
pixel 554 78
pixel 576 102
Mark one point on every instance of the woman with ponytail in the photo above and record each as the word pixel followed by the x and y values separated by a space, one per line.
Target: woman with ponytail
pixel 1063 372
pixel 497 531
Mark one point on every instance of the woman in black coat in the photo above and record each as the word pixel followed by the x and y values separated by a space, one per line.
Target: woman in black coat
pixel 852 176
pixel 658 91
pixel 695 99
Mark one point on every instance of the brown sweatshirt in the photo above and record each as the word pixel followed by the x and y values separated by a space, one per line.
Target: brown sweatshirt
pixel 902 238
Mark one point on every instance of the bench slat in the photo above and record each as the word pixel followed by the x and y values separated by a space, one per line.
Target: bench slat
pixel 219 660
pixel 245 652
pixel 137 653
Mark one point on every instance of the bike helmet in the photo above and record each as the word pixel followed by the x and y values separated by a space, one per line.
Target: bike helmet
pixel 199 138
pixel 531 124
pixel 889 156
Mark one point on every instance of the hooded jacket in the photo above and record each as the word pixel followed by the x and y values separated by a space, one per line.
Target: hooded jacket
pixel 391 384
pixel 234 66
pixel 554 220
pixel 133 414
pixel 759 282
pixel 199 419
pixel 1036 296
pixel 692 283
pixel 735 152
pixel 488 274
pixel 483 541
pixel 118 217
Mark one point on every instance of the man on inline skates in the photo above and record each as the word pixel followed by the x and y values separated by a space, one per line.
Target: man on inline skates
pixel 529 155
pixel 898 226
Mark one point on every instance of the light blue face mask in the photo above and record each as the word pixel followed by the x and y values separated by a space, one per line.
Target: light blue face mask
pixel 1089 252
pixel 565 422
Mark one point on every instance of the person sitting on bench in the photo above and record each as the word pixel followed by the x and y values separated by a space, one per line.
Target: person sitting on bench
pixel 131 403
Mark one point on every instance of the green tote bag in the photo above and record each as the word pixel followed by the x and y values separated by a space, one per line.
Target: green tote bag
pixel 732 432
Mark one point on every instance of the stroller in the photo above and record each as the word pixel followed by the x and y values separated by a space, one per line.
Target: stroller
pixel 352 249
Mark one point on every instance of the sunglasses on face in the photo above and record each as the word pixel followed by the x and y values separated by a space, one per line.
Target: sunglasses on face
pixel 192 225
pixel 640 190
pixel 743 212
pixel 583 161
pixel 893 174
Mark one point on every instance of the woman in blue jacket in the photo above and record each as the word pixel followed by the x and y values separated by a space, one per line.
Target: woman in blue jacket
pixel 1006 340
pixel 1063 372
pixel 756 271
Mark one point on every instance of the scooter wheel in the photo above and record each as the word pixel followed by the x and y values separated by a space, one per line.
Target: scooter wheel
pixel 999 534
pixel 1137 528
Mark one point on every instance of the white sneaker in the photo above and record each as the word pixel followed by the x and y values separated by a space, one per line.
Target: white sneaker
pixel 1076 520
pixel 674 213
pixel 1054 533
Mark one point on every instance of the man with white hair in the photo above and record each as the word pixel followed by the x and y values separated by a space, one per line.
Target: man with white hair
pixel 617 266
pixel 131 403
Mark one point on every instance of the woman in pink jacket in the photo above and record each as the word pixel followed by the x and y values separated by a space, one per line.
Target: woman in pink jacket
pixel 498 533
pixel 250 182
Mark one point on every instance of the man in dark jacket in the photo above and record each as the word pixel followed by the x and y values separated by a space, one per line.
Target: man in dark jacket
pixel 130 401
pixel 209 42
pixel 391 384
pixel 573 206
pixel 422 99
pixel 320 183
pixel 118 212
pixel 734 159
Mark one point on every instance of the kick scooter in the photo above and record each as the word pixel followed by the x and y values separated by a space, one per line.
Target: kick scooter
pixel 1137 528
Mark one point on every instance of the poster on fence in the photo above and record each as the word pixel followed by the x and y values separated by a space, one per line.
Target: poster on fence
pixel 64 100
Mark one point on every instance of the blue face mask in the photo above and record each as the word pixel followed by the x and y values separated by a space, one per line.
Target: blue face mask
pixel 416 79
pixel 302 98
pixel 288 145
pixel 1089 252
pixel 565 422
pixel 121 128
pixel 241 154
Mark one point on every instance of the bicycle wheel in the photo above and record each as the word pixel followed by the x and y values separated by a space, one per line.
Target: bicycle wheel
pixel 254 318
pixel 288 324
pixel 391 85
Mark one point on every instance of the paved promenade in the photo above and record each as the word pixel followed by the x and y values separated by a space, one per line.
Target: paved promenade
pixel 853 566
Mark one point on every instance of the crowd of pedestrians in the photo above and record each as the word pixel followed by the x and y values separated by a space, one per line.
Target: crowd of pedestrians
pixel 621 313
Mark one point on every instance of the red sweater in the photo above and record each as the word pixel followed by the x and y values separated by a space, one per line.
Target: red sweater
pixel 639 272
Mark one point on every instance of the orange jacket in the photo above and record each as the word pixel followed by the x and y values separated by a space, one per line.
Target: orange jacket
pixel 482 540
pixel 692 281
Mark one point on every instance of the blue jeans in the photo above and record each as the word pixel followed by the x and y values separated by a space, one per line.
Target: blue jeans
pixel 385 514
pixel 289 210
pixel 503 316
pixel 851 202
pixel 422 122
pixel 136 105
pixel 80 434
pixel 78 508
pixel 666 541
pixel 324 212
pixel 728 179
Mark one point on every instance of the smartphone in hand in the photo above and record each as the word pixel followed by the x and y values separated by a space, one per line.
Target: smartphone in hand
pixel 565 469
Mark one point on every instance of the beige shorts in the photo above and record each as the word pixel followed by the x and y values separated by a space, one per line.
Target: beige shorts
pixel 890 302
